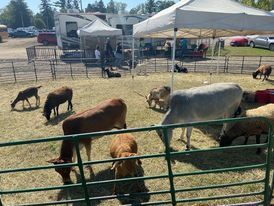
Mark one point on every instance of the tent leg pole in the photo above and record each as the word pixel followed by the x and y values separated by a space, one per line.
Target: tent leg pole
pixel 173 59
pixel 212 55
pixel 133 59
pixel 218 60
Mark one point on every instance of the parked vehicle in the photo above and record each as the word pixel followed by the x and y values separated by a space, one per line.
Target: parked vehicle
pixel 21 34
pixel 47 38
pixel 263 42
pixel 239 41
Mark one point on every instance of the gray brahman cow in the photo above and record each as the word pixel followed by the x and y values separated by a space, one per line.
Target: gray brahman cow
pixel 220 100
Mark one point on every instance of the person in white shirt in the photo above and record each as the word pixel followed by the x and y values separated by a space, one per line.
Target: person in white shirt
pixel 97 53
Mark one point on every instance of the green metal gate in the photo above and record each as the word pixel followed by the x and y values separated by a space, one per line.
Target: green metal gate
pixel 265 193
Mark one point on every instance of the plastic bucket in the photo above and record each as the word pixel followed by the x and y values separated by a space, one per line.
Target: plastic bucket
pixel 262 96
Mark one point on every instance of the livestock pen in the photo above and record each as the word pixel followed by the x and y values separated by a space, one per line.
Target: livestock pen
pixel 12 71
pixel 29 124
pixel 174 192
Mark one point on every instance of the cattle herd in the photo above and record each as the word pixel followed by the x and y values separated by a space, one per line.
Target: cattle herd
pixel 209 102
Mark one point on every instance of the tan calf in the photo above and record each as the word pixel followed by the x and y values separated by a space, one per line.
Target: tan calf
pixel 158 93
pixel 124 145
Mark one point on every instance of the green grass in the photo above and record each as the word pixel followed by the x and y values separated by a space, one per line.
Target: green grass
pixel 30 124
pixel 243 51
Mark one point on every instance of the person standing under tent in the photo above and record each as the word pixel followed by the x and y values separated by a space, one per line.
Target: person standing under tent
pixel 99 61
pixel 118 56
pixel 97 54
pixel 108 54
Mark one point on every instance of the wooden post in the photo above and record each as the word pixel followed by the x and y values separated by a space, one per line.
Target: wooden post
pixel 227 62
pixel 35 72
pixel 155 63
pixel 70 70
pixel 54 70
pixel 243 60
pixel 55 56
pixel 260 61
pixel 51 70
pixel 167 66
pixel 13 69
pixel 87 71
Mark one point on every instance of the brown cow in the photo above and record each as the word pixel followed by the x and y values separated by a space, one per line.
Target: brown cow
pixel 124 145
pixel 55 98
pixel 262 70
pixel 105 116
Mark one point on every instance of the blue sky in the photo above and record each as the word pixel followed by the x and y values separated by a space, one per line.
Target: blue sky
pixel 34 4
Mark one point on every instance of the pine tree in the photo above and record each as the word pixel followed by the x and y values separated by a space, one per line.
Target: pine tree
pixel 264 4
pixel 150 6
pixel 47 13
pixel 101 6
pixel 16 14
pixel 92 7
pixel 162 4
pixel 62 4
pixel 249 3
pixel 69 4
pixel 75 4
pixel 111 7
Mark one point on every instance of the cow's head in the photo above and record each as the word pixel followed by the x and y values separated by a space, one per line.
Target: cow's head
pixel 225 140
pixel 124 168
pixel 12 104
pixel 63 171
pixel 46 113
pixel 254 75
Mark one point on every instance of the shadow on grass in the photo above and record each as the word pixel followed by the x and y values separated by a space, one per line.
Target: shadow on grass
pixel 222 159
pixel 28 109
pixel 270 81
pixel 131 188
pixel 158 110
pixel 55 120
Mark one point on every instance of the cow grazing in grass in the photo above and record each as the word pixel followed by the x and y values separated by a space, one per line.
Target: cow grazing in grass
pixel 220 100
pixel 105 116
pixel 55 98
pixel 263 70
pixel 25 94
pixel 124 145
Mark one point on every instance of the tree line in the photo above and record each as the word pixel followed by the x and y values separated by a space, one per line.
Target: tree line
pixel 17 13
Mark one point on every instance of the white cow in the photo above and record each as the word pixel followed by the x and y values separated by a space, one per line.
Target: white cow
pixel 210 102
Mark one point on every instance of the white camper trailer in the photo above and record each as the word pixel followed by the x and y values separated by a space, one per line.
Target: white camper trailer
pixel 67 24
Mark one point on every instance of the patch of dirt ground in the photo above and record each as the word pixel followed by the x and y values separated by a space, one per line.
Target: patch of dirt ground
pixel 16 48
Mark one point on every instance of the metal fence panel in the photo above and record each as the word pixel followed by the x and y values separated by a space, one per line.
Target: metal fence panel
pixel 173 190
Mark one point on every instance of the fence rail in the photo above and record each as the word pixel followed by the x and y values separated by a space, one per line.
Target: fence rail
pixel 12 71
pixel 262 193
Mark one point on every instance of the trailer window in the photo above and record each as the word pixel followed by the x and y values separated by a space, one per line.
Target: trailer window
pixel 71 29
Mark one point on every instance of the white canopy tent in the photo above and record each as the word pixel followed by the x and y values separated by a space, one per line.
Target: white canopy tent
pixel 204 19
pixel 97 28
pixel 94 33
